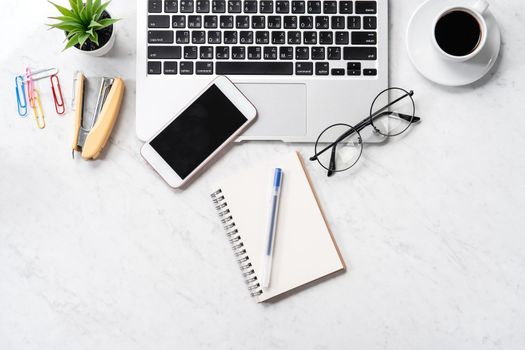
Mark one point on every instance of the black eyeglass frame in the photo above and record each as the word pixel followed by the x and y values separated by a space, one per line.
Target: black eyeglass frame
pixel 363 124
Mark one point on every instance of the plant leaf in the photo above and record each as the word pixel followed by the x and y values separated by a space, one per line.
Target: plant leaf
pixel 89 8
pixel 83 38
pixel 62 9
pixel 72 41
pixel 73 5
pixel 95 25
pixel 101 9
pixel 107 22
pixel 94 38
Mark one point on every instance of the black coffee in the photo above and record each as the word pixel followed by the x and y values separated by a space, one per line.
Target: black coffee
pixel 458 33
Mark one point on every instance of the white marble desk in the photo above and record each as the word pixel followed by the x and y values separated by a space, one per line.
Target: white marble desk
pixel 102 255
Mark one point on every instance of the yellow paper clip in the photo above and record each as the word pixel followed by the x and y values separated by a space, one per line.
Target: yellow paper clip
pixel 38 110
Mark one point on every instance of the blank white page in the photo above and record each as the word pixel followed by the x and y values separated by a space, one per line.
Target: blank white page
pixel 304 247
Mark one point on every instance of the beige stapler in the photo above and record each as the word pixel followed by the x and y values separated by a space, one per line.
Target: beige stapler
pixel 94 127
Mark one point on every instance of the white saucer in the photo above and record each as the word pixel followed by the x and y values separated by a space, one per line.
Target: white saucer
pixel 431 64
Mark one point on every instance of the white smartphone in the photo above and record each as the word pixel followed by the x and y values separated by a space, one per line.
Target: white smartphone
pixel 196 135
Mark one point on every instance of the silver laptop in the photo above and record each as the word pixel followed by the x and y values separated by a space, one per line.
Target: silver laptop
pixel 304 64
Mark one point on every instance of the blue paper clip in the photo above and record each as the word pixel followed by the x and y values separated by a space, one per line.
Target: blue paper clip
pixel 21 99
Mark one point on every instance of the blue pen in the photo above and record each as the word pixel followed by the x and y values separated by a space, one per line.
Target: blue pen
pixel 272 225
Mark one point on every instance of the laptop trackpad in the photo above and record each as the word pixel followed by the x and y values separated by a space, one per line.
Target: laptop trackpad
pixel 281 109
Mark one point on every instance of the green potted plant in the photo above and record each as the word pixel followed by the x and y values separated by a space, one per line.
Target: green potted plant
pixel 88 26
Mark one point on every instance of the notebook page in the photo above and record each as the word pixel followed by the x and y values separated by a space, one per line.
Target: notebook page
pixel 304 249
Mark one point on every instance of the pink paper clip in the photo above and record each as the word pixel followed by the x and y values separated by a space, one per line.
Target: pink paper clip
pixel 57 95
pixel 30 87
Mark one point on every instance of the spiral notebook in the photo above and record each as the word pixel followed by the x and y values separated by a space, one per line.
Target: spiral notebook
pixel 305 250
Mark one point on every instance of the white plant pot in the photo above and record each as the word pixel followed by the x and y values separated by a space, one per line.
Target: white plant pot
pixel 101 51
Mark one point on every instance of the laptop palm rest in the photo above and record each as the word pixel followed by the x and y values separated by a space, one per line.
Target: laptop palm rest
pixel 281 109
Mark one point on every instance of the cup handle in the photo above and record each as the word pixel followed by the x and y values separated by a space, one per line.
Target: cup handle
pixel 481 6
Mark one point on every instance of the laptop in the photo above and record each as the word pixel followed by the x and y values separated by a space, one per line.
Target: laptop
pixel 303 64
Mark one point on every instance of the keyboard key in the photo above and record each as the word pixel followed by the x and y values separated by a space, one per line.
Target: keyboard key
pixel 258 22
pixel 160 37
pixel 186 68
pixel 326 38
pixel 246 37
pixel 317 53
pixel 302 53
pixel 370 71
pixel 360 53
pixel 235 6
pixel 278 38
pixel 345 7
pixel 304 68
pixel 322 22
pixel 206 52
pixel 290 22
pixel 266 6
pixel 222 53
pixel 364 38
pixel 369 22
pixel 330 7
pixel 262 38
pixel 178 21
pixel 164 52
pixel 226 22
pixel 154 67
pixel 294 37
pixel 321 68
pixel 171 6
pixel 353 68
pixel 286 53
pixel 254 53
pixel 155 6
pixel 186 6
pixel 238 53
pixel 270 53
pixel 250 7
pixel 194 21
pixel 338 22
pixel 242 22
pixel 170 68
pixel 198 37
pixel 254 68
pixel 338 71
pixel 342 38
pixel 274 22
pixel 306 22
pixel 203 6
pixel 190 52
pixel 298 7
pixel 204 68
pixel 214 37
pixel 354 22
pixel 282 6
pixel 334 53
pixel 310 38
pixel 210 21
pixel 182 37
pixel 218 6
pixel 158 21
pixel 314 6
pixel 230 37
pixel 365 7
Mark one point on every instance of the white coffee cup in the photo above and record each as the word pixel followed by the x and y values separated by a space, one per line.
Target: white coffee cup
pixel 476 10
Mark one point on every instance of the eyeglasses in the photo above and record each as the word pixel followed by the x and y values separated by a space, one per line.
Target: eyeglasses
pixel 392 112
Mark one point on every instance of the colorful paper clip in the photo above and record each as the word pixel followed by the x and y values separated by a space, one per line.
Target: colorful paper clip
pixel 30 87
pixel 21 99
pixel 57 95
pixel 38 110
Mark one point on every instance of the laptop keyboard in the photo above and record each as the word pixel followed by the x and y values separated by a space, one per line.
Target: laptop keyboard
pixel 301 38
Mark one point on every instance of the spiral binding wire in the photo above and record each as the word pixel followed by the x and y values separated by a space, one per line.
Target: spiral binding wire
pixel 235 239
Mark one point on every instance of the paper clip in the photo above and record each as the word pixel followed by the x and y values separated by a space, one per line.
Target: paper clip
pixel 21 99
pixel 38 110
pixel 44 73
pixel 30 87
pixel 57 95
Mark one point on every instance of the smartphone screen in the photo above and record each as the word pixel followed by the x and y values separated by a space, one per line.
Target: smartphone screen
pixel 198 131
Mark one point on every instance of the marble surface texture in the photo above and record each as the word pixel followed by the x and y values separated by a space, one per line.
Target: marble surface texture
pixel 103 255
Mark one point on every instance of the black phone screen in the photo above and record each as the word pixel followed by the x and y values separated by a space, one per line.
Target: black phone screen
pixel 198 131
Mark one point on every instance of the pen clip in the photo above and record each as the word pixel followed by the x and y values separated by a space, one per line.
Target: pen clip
pixel 21 99
pixel 38 110
pixel 57 95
